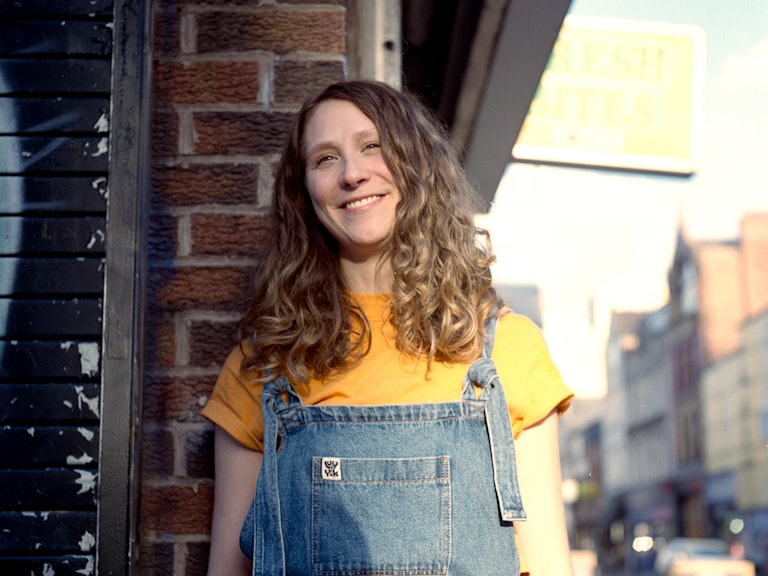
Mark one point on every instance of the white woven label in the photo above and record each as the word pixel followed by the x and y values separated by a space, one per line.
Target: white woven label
pixel 331 468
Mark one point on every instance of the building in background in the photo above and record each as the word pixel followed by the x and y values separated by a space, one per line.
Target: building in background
pixel 684 420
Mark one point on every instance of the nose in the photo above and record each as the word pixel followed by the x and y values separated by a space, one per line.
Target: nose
pixel 354 173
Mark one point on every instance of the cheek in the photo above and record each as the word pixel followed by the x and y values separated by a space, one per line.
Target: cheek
pixel 316 188
pixel 317 201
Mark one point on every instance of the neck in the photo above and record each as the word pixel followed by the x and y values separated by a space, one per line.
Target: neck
pixel 367 277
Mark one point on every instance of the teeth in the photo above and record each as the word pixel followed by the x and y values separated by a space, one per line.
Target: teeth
pixel 361 202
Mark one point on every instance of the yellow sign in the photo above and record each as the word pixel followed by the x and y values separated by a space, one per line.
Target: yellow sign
pixel 619 94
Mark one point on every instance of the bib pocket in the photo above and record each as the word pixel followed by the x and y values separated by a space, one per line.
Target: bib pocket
pixel 381 516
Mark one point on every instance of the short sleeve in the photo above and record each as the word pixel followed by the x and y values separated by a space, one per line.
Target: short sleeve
pixel 532 383
pixel 235 403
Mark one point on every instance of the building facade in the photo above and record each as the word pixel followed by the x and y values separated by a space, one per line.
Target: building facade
pixel 685 427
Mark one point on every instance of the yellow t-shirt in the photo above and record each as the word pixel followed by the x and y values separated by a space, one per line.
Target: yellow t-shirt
pixel 532 385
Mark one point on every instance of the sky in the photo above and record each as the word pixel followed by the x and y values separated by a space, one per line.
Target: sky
pixel 598 240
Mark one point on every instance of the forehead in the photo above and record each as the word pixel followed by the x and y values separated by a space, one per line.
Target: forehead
pixel 335 119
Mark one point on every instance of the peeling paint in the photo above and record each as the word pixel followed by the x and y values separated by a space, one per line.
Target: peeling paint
pixel 202 400
pixel 88 569
pixel 87 434
pixel 97 236
pixel 101 148
pixel 75 460
pixel 92 403
pixel 31 432
pixel 87 542
pixel 48 570
pixel 102 124
pixel 99 182
pixel 87 481
pixel 68 404
pixel 89 358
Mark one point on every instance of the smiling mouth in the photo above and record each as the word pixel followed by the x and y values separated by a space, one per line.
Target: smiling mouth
pixel 361 202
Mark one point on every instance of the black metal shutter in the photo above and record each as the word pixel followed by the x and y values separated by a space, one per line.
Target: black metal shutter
pixel 56 139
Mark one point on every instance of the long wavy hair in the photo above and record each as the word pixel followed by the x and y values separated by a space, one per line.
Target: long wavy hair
pixel 302 321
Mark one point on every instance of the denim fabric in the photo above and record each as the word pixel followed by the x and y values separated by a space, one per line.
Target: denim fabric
pixel 417 489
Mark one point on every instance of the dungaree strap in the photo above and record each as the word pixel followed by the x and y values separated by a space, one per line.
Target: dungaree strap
pixel 483 372
pixel 270 560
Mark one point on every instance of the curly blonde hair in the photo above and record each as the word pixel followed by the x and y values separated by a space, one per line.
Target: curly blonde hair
pixel 302 321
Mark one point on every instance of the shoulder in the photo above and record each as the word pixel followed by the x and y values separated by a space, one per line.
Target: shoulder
pixel 235 402
pixel 520 350
pixel 532 383
pixel 235 357
pixel 518 332
pixel 233 365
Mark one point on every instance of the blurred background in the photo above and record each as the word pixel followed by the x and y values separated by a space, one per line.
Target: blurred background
pixel 650 279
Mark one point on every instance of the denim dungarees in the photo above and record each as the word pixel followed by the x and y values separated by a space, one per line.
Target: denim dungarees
pixel 392 490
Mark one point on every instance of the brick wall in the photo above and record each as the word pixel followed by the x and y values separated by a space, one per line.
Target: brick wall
pixel 228 77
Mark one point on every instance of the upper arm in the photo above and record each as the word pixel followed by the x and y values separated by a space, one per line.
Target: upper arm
pixel 543 537
pixel 237 468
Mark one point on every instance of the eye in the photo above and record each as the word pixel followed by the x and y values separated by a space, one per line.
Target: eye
pixel 323 158
pixel 372 146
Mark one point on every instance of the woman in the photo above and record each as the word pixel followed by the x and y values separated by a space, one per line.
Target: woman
pixel 372 303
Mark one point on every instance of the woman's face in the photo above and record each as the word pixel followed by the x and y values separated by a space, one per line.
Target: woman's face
pixel 351 188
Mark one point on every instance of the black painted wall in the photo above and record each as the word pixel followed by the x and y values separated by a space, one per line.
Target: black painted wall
pixel 55 80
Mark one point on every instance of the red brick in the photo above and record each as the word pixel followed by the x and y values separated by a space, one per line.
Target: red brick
pixel 157 453
pixel 197 559
pixel 191 287
pixel 176 399
pixel 198 450
pixel 177 509
pixel 156 558
pixel 277 31
pixel 296 81
pixel 254 133
pixel 205 184
pixel 160 341
pixel 228 234
pixel 211 342
pixel 162 234
pixel 207 82
pixel 166 33
pixel 165 133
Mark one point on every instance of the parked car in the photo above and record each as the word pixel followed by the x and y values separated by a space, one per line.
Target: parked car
pixel 700 557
